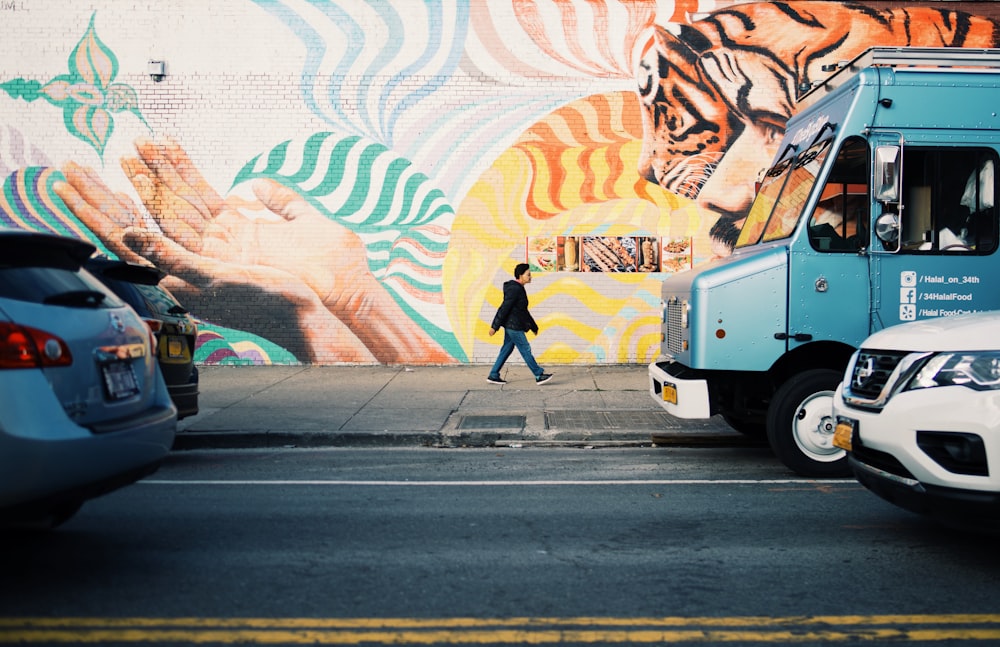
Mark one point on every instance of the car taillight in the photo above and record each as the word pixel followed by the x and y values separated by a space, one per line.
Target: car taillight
pixel 154 326
pixel 26 347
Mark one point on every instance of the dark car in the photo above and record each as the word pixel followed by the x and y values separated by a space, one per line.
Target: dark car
pixel 175 330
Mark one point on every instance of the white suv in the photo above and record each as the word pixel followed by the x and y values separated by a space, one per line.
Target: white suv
pixel 919 414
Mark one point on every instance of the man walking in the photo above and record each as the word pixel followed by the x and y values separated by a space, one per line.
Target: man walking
pixel 515 319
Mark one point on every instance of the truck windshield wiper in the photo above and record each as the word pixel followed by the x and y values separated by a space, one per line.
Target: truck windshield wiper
pixel 77 298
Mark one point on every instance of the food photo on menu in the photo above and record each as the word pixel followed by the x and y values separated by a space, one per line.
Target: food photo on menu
pixel 569 253
pixel 609 254
pixel 649 258
pixel 542 254
pixel 677 255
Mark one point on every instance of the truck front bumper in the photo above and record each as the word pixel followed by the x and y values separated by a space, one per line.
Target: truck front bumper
pixel 680 393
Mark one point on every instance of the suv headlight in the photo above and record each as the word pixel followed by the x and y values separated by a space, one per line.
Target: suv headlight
pixel 979 371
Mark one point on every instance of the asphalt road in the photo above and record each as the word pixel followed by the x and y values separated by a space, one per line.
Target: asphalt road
pixel 496 546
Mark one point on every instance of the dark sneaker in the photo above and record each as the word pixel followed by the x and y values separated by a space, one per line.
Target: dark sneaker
pixel 496 380
pixel 543 378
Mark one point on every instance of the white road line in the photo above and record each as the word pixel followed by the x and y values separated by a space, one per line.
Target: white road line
pixel 526 483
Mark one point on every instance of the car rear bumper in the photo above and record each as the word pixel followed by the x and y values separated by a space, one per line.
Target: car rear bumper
pixel 182 384
pixel 30 510
pixel 70 461
pixel 185 398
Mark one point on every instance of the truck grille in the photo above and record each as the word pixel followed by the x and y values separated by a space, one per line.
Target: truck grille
pixel 871 372
pixel 675 336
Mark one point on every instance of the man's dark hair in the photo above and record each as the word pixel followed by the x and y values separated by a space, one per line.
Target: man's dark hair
pixel 520 269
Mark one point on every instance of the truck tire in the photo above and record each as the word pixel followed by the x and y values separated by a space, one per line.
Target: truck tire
pixel 800 424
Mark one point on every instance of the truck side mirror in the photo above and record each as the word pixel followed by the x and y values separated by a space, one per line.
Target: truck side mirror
pixel 887 230
pixel 887 174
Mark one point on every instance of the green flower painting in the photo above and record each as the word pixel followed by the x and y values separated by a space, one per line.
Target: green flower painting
pixel 87 95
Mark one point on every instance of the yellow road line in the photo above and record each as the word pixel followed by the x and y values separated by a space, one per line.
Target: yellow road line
pixel 367 623
pixel 419 631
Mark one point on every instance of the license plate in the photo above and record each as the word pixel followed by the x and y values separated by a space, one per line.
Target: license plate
pixel 842 435
pixel 669 393
pixel 175 347
pixel 119 380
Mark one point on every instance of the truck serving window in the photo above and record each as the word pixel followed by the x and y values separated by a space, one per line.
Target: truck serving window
pixel 948 201
pixel 839 223
pixel 782 196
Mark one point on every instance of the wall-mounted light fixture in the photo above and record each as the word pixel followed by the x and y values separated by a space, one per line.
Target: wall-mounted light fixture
pixel 156 70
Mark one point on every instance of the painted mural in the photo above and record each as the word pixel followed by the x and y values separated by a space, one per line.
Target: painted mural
pixel 362 193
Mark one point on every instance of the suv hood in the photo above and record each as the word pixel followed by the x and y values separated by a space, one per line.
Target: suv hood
pixel 977 331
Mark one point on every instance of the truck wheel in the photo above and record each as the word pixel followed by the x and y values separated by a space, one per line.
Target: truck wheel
pixel 800 424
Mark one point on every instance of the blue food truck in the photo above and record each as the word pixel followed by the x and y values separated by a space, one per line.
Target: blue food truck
pixel 879 209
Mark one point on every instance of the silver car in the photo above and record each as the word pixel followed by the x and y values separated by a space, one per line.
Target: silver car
pixel 83 406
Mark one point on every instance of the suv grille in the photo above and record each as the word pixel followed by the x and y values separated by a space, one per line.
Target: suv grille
pixel 675 315
pixel 871 372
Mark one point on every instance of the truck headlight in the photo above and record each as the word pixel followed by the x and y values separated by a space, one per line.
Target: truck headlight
pixel 975 370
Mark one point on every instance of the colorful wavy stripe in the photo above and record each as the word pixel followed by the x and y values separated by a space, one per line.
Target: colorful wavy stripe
pixel 403 220
pixel 16 152
pixel 529 38
pixel 224 346
pixel 626 307
pixel 407 64
pixel 28 202
pixel 383 47
pixel 576 153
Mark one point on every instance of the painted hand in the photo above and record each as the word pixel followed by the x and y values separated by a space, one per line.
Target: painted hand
pixel 294 262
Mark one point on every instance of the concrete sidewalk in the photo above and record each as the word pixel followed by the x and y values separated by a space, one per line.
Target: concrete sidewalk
pixel 434 406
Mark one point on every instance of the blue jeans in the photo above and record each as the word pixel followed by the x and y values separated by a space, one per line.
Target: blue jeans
pixel 519 339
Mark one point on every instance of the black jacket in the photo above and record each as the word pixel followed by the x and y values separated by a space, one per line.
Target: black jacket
pixel 513 312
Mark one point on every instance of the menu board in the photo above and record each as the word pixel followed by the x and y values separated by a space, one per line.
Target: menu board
pixel 608 254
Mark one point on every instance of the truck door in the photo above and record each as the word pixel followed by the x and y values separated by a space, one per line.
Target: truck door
pixel 828 266
pixel 946 254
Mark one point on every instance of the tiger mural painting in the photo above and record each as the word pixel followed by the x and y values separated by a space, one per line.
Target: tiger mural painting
pixel 716 92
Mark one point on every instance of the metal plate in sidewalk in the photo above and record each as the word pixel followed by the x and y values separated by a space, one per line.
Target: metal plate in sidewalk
pixel 593 420
pixel 491 422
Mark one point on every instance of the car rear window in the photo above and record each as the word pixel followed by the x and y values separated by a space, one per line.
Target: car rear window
pixel 128 293
pixel 46 284
pixel 160 301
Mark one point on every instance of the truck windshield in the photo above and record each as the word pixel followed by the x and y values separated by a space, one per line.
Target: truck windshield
pixel 782 196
